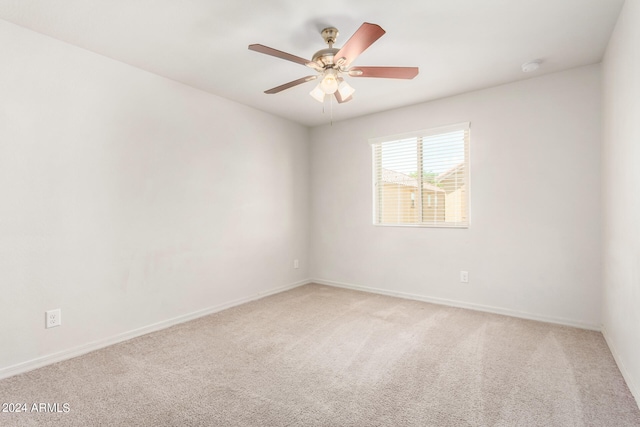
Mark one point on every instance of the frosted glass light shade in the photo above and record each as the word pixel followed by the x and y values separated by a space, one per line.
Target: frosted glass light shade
pixel 345 90
pixel 329 83
pixel 317 94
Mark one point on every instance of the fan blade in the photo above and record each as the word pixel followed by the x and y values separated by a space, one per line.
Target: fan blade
pixel 385 72
pixel 277 53
pixel 283 55
pixel 364 37
pixel 339 98
pixel 290 84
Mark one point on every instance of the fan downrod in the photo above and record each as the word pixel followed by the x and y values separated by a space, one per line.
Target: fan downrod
pixel 325 57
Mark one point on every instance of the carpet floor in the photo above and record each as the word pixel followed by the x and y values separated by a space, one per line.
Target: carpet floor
pixel 323 356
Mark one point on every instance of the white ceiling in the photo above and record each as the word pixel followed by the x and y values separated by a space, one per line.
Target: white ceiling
pixel 459 45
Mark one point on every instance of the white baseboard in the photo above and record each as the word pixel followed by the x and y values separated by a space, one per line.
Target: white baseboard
pixel 633 387
pixel 462 304
pixel 96 345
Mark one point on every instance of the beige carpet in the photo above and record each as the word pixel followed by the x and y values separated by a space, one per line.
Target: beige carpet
pixel 320 356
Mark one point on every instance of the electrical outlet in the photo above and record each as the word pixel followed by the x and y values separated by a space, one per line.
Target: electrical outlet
pixel 53 318
pixel 296 264
pixel 464 277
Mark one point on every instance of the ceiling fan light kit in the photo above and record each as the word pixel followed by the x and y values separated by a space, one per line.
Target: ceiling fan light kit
pixel 329 82
pixel 331 63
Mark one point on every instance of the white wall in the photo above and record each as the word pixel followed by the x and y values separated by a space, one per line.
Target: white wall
pixel 128 199
pixel 533 248
pixel 621 194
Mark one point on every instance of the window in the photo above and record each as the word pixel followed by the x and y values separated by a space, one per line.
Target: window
pixel 422 178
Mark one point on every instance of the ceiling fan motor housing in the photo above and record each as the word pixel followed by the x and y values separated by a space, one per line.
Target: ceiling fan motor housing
pixel 324 57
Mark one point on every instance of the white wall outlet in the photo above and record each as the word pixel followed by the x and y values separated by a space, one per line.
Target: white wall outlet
pixel 464 277
pixel 53 318
pixel 296 264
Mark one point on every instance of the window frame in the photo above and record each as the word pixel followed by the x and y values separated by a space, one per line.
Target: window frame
pixel 376 142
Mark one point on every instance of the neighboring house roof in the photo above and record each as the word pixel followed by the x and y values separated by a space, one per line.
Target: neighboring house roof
pixel 394 177
pixel 446 174
pixel 427 186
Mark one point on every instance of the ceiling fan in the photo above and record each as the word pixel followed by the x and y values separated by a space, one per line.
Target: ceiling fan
pixel 332 63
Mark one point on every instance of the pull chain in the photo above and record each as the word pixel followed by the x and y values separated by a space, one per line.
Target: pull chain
pixel 331 110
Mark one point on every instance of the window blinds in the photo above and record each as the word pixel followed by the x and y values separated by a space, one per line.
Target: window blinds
pixel 422 178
